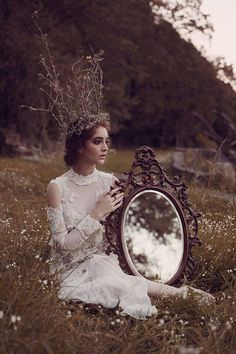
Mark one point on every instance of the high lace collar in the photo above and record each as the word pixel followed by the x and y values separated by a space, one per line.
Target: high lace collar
pixel 83 180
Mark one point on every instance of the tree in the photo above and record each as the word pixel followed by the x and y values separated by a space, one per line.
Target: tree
pixel 154 79
pixel 186 16
pixel 225 71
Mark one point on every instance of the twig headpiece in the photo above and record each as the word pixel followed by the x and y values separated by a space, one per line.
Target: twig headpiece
pixel 76 105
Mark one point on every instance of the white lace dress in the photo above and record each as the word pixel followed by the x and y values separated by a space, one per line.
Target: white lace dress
pixel 78 245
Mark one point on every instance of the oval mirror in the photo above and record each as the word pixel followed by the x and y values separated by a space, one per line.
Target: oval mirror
pixel 153 236
pixel 155 229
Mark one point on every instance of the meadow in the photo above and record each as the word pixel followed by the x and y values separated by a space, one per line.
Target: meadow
pixel 33 320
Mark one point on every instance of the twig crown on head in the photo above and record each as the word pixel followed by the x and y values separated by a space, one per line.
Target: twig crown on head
pixel 77 104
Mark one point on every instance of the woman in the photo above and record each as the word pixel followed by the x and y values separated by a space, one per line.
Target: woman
pixel 77 203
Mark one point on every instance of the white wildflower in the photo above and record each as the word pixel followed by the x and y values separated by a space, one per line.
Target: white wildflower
pixel 15 318
pixel 213 328
pixel 189 350
pixel 228 325
pixel 69 314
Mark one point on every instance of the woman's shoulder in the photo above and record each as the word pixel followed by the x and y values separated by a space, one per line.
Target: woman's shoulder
pixel 108 177
pixel 59 180
pixel 105 174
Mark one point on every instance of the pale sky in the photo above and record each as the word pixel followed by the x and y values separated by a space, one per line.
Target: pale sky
pixel 223 16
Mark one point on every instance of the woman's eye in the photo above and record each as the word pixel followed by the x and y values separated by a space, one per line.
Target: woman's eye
pixel 108 142
pixel 97 142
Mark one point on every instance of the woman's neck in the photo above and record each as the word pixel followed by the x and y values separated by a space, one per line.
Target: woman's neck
pixel 84 169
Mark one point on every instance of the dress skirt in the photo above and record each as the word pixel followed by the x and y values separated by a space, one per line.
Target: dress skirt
pixel 100 280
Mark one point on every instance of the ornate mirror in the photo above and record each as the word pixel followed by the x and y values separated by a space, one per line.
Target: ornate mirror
pixel 154 230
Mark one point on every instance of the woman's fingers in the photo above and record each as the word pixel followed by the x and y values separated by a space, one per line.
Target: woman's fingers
pixel 113 191
pixel 114 198
pixel 116 206
pixel 118 196
pixel 118 201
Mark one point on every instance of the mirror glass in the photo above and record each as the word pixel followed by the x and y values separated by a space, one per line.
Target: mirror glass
pixel 153 239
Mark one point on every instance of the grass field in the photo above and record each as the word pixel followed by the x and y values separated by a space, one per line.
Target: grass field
pixel 33 320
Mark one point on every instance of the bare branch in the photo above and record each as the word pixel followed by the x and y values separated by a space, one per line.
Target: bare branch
pixel 77 104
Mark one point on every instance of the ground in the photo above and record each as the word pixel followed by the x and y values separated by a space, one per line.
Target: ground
pixel 32 320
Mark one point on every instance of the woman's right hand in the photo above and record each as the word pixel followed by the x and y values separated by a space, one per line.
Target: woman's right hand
pixel 107 203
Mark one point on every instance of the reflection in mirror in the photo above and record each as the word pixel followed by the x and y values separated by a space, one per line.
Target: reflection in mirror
pixel 153 239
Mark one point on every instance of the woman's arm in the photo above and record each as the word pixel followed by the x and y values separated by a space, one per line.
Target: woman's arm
pixel 67 240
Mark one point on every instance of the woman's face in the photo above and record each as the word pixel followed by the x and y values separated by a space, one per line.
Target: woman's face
pixel 95 149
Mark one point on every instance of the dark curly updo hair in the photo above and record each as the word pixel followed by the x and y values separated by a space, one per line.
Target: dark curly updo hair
pixel 74 142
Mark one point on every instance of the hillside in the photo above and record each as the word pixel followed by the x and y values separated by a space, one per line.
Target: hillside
pixel 154 79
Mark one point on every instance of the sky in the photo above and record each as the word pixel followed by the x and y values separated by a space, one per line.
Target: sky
pixel 223 17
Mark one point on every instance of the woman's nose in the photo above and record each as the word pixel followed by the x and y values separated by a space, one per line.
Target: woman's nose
pixel 105 147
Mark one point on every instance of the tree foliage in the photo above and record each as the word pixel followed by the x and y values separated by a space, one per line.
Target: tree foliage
pixel 154 79
pixel 185 15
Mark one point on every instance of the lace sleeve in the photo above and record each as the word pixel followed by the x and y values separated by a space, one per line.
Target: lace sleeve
pixel 65 239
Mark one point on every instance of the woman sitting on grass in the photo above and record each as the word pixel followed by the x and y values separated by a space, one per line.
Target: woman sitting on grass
pixel 77 203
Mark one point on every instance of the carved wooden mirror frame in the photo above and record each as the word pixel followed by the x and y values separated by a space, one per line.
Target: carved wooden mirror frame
pixel 148 174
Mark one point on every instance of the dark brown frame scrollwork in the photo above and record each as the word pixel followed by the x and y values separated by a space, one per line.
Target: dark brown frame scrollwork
pixel 148 174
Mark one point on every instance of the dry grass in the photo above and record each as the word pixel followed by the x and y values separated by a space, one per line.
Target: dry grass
pixel 34 321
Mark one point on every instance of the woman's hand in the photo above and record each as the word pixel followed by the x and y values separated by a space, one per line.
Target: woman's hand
pixel 107 203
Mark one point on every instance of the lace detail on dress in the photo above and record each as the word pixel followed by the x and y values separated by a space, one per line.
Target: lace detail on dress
pixel 89 225
pixel 93 245
pixel 106 184
pixel 55 217
pixel 60 182
pixel 83 180
pixel 107 179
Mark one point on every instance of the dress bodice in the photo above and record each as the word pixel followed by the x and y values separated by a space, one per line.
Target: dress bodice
pixel 75 235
